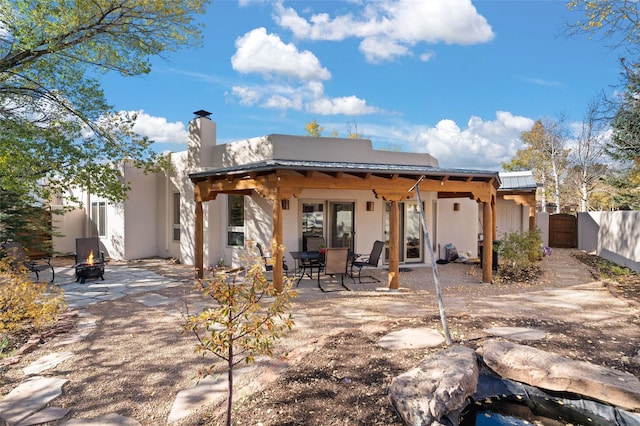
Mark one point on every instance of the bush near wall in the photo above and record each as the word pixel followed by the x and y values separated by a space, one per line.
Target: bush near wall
pixel 26 306
pixel 519 252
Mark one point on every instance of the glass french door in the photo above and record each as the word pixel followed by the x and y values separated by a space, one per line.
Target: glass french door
pixel 410 247
pixel 342 224
pixel 312 221
pixel 340 216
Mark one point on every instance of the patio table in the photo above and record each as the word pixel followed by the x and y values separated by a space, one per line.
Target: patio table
pixel 305 263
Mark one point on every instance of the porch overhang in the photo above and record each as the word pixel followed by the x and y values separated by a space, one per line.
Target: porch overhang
pixel 283 179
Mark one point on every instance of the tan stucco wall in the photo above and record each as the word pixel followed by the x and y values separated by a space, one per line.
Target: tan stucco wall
pixel 286 147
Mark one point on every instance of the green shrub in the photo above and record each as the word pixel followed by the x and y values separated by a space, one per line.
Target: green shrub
pixel 24 304
pixel 520 250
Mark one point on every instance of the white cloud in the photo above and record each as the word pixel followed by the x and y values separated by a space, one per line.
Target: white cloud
pixel 390 28
pixel 348 105
pixel 159 129
pixel 482 145
pixel 266 54
pixel 309 97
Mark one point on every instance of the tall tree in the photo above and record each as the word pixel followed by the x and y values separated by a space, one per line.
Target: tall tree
pixel 314 129
pixel 353 133
pixel 586 158
pixel 57 128
pixel 544 153
pixel 617 23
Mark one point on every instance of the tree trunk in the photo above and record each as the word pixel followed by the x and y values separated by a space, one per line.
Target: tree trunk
pixel 585 192
pixel 556 189
pixel 543 200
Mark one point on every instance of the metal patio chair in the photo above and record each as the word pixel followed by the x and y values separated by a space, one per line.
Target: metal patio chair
pixel 336 262
pixel 268 266
pixel 360 261
pixel 19 259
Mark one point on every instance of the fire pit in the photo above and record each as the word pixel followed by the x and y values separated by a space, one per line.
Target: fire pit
pixel 87 265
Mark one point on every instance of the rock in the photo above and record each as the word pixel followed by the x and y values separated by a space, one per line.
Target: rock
pixel 552 372
pixel 438 385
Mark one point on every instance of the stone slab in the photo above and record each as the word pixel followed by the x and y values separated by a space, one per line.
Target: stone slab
pixel 30 396
pixel 46 362
pixel 517 333
pixel 441 383
pixel 47 414
pixel 553 372
pixel 153 299
pixel 208 391
pixel 412 338
pixel 106 420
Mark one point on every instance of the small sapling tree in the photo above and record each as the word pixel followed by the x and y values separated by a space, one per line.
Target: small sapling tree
pixel 246 319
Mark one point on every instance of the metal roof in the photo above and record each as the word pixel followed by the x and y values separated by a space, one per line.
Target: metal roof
pixel 517 181
pixel 326 166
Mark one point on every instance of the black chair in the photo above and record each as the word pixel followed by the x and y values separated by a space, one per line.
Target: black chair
pixel 89 259
pixel 268 266
pixel 336 262
pixel 19 258
pixel 360 261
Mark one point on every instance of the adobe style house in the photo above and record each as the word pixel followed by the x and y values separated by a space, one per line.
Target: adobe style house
pixel 278 190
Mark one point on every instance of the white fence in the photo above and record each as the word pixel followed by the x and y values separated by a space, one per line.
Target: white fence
pixel 612 235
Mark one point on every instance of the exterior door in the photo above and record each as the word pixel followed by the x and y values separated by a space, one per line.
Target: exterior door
pixel 563 230
pixel 312 221
pixel 342 224
pixel 411 246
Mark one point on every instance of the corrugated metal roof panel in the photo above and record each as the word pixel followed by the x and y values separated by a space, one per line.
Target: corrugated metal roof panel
pixel 345 167
pixel 517 180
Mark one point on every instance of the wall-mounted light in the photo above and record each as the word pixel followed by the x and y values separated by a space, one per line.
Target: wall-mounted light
pixel 370 206
pixel 456 207
pixel 285 204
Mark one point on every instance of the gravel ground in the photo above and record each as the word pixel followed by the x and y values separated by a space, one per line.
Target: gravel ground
pixel 139 358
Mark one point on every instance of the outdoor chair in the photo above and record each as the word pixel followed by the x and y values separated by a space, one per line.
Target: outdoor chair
pixel 19 259
pixel 360 261
pixel 315 244
pixel 89 259
pixel 268 266
pixel 336 262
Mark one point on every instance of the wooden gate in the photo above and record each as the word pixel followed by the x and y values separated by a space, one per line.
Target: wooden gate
pixel 563 230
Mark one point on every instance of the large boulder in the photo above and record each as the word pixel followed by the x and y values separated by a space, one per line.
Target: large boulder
pixel 438 385
pixel 553 372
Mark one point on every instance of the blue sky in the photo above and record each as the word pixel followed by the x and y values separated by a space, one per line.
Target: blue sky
pixel 460 80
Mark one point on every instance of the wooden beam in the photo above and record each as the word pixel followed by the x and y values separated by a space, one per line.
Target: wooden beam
pixel 487 243
pixel 394 244
pixel 532 218
pixel 276 243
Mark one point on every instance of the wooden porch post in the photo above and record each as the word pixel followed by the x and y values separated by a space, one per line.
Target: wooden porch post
pixel 487 245
pixel 198 249
pixel 532 217
pixel 276 243
pixel 394 240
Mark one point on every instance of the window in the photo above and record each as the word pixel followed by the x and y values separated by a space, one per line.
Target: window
pixel 176 217
pixel 99 217
pixel 235 220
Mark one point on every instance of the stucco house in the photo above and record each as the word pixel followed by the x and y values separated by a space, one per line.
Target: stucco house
pixel 281 189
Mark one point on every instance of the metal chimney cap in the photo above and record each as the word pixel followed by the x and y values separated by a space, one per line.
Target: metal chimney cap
pixel 202 113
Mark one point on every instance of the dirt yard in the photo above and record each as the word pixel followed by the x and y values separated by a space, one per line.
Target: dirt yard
pixel 137 360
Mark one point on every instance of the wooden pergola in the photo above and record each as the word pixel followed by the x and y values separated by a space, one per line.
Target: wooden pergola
pixel 279 180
